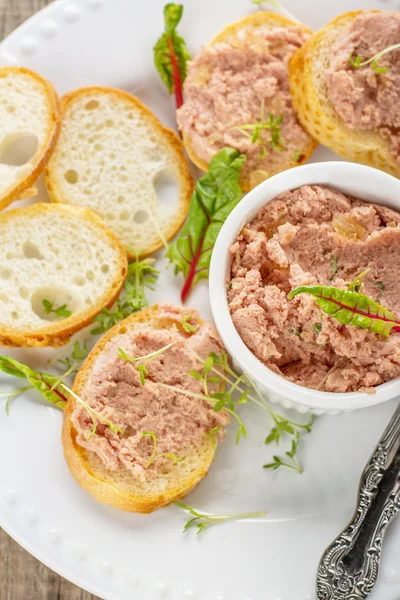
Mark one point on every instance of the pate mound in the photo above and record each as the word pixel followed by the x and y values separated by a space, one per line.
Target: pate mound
pixel 117 466
pixel 316 235
pixel 364 98
pixel 242 78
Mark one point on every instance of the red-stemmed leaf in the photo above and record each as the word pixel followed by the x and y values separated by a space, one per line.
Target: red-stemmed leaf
pixel 171 54
pixel 214 197
pixel 352 308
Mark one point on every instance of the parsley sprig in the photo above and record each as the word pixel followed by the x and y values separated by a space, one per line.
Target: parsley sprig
pixel 203 520
pixel 254 131
pixel 61 312
pixel 142 275
pixel 357 62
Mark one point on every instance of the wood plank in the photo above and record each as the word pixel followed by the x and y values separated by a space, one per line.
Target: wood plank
pixel 22 577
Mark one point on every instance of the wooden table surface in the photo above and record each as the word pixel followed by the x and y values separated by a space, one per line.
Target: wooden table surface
pixel 22 577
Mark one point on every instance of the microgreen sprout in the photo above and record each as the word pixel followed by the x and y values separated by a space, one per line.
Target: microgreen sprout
pixel 253 131
pixel 154 456
pixel 95 416
pixel 203 520
pixel 12 395
pixel 141 275
pixel 61 312
pixel 213 435
pixel 355 285
pixel 278 462
pixel 357 62
pixel 187 325
pixel 145 359
pixel 72 363
pixel 245 385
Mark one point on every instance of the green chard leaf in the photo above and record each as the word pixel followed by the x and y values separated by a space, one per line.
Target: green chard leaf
pixel 171 54
pixel 46 383
pixel 352 308
pixel 216 194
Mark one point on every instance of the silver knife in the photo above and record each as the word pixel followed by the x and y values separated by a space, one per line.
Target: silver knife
pixel 349 568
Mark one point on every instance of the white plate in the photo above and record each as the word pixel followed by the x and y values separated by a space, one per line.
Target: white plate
pixel 121 556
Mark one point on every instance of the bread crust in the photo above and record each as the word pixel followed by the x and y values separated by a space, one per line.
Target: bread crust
pixel 22 189
pixel 186 183
pixel 58 333
pixel 96 480
pixel 317 114
pixel 271 20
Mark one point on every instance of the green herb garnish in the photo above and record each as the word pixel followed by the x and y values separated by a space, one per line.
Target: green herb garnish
pixel 72 363
pixel 296 156
pixel 154 456
pixel 351 308
pixel 203 520
pixel 254 131
pixel 61 312
pixel 144 360
pixel 141 275
pixel 355 285
pixel 215 195
pixel 187 325
pixel 380 285
pixel 317 327
pixel 334 266
pixel 171 54
pixel 10 396
pixel 245 385
pixel 213 435
pixel 95 416
pixel 45 383
pixel 357 62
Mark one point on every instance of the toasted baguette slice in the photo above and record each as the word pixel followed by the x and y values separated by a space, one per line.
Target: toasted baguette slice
pixel 111 157
pixel 61 254
pixel 315 111
pixel 120 489
pixel 29 108
pixel 234 34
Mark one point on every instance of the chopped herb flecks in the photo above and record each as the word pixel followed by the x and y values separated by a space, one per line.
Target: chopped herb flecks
pixel 317 327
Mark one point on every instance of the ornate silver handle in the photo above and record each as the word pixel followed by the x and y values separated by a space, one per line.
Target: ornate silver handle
pixel 348 569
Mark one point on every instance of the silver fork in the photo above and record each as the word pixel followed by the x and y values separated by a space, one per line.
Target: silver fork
pixel 349 567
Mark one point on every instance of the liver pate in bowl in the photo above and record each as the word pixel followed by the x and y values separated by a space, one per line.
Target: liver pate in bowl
pixel 312 231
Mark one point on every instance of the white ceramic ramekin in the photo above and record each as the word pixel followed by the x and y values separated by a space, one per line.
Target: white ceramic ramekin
pixel 350 178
